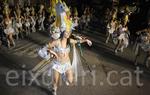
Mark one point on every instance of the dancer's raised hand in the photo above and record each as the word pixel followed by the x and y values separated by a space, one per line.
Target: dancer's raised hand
pixel 89 42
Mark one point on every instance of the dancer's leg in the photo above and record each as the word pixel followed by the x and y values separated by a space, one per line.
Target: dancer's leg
pixel 11 39
pixel 118 46
pixel 69 75
pixel 137 55
pixel 147 60
pixel 107 38
pixel 56 78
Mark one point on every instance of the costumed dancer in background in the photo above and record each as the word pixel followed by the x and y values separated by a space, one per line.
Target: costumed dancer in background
pixel 8 28
pixel 27 25
pixel 111 28
pixel 33 20
pixel 18 17
pixel 83 22
pixel 75 18
pixel 123 39
pixel 143 43
pixel 88 16
pixel 41 18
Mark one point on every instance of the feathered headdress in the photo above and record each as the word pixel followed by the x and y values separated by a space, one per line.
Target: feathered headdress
pixel 53 5
pixel 63 20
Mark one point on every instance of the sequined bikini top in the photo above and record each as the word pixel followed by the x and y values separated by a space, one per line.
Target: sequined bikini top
pixel 59 49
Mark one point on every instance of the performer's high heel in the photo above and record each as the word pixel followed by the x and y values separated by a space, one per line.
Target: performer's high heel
pixel 52 90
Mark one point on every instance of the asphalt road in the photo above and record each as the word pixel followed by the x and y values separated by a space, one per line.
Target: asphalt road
pixel 106 69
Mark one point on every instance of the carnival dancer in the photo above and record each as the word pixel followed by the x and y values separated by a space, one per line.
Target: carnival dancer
pixel 33 20
pixel 123 39
pixel 41 18
pixel 88 17
pixel 111 28
pixel 75 18
pixel 143 43
pixel 83 22
pixel 61 64
pixel 19 28
pixel 41 22
pixel 27 25
pixel 18 24
pixel 62 61
pixel 9 31
pixel 27 11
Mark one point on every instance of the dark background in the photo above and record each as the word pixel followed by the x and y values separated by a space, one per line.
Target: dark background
pixel 138 20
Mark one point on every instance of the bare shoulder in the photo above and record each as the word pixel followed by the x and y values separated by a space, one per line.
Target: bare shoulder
pixel 73 41
pixel 53 43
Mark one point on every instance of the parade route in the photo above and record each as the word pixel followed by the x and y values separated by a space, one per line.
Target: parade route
pixel 24 58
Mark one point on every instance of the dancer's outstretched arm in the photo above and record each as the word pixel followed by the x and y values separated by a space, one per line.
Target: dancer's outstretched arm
pixel 73 41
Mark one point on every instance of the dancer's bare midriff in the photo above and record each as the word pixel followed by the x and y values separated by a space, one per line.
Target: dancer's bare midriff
pixel 63 58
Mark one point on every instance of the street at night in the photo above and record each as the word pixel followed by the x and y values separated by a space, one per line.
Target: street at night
pixel 110 64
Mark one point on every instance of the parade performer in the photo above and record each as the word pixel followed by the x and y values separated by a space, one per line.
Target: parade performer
pixel 41 18
pixel 111 28
pixel 17 22
pixel 8 29
pixel 143 43
pixel 123 39
pixel 76 18
pixel 33 20
pixel 62 62
pixel 61 48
